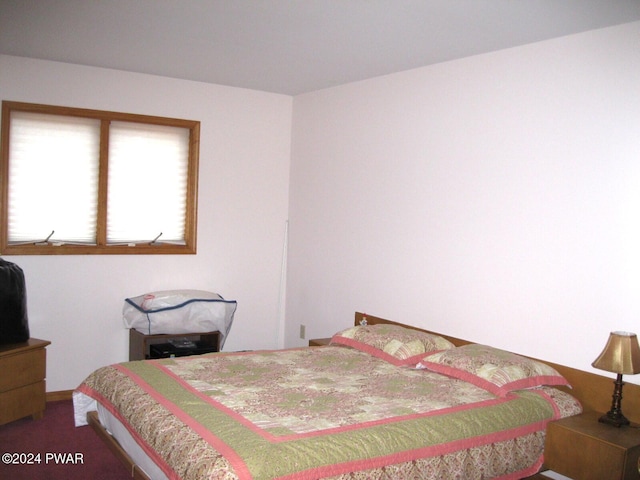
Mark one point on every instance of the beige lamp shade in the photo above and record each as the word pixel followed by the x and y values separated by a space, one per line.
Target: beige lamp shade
pixel 621 354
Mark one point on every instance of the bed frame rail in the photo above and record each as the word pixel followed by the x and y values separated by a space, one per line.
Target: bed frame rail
pixel 114 446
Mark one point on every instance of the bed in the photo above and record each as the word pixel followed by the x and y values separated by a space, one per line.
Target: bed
pixel 382 401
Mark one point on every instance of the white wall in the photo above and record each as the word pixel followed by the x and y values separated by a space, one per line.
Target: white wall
pixel 494 198
pixel 76 301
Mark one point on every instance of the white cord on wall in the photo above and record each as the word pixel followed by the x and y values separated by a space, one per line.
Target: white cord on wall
pixel 280 330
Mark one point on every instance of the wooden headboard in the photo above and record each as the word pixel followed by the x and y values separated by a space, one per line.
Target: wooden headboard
pixel 594 391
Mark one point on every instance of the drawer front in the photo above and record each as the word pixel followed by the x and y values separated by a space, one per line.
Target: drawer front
pixel 22 402
pixel 584 457
pixel 631 465
pixel 22 369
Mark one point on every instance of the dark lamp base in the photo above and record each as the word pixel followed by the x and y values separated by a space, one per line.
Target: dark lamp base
pixel 615 419
pixel 614 416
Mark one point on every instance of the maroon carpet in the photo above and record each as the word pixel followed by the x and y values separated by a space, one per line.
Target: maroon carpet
pixel 58 450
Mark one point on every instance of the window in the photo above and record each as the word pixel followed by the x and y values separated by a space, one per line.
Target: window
pixel 93 182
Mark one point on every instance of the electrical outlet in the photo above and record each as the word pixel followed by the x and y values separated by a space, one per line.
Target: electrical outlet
pixel 303 332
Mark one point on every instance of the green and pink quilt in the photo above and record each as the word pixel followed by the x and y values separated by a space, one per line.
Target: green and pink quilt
pixel 325 412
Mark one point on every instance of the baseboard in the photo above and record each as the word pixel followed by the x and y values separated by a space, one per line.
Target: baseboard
pixel 59 395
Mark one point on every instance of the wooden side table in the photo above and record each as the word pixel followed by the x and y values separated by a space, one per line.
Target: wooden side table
pixel 139 343
pixel 582 448
pixel 319 342
pixel 22 383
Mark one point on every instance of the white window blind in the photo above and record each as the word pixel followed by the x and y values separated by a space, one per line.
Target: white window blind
pixel 53 178
pixel 148 171
pixel 81 181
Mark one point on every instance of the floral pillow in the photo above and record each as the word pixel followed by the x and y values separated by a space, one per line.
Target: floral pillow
pixel 393 343
pixel 495 370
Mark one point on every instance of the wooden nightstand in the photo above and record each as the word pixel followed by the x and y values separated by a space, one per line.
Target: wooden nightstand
pixel 22 384
pixel 582 448
pixel 319 342
pixel 140 344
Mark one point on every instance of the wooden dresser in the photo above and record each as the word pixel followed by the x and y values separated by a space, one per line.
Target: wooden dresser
pixel 23 368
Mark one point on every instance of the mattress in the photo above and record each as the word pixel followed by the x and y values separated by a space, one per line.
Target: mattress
pixel 325 412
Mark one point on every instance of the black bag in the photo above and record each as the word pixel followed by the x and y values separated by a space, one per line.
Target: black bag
pixel 14 323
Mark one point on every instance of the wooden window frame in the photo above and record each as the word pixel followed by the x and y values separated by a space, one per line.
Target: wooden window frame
pixel 101 247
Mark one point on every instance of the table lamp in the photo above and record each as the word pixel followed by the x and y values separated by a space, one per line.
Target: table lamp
pixel 621 355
